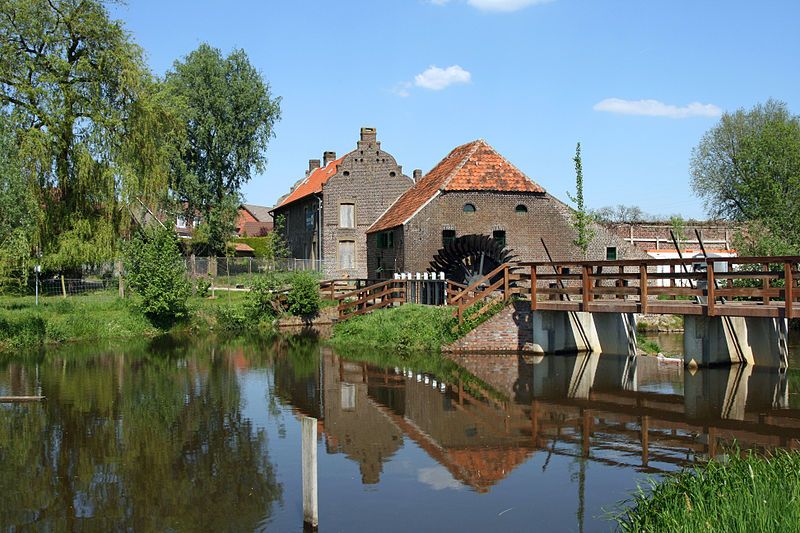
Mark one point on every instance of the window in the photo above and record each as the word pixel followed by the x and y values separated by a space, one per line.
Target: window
pixel 500 237
pixel 469 208
pixel 309 212
pixel 386 239
pixel 611 253
pixel 347 255
pixel 347 215
pixel 521 209
pixel 448 236
pixel 180 222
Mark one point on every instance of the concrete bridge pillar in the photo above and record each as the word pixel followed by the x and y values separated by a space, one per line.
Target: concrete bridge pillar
pixel 722 340
pixel 574 331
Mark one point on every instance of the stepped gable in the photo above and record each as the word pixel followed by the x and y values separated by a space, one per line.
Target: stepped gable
pixel 312 184
pixel 474 166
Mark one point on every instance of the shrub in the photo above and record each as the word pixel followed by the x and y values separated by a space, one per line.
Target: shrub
pixel 232 318
pixel 303 298
pixel 156 271
pixel 260 302
pixel 201 287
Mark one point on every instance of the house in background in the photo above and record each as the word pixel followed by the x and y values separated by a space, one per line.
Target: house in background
pixel 252 221
pixel 327 213
pixel 472 205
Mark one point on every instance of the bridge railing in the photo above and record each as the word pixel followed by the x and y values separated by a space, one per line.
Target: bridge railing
pixel 489 289
pixel 368 299
pixel 757 286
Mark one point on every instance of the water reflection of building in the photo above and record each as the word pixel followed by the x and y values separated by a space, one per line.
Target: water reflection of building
pixel 634 412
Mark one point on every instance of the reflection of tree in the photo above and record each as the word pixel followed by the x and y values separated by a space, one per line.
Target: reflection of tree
pixel 129 443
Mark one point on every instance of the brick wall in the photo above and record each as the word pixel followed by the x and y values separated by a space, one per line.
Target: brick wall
pixel 300 239
pixel 385 262
pixel 508 330
pixel 546 217
pixel 369 178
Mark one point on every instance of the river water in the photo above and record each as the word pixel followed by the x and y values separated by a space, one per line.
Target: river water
pixel 204 435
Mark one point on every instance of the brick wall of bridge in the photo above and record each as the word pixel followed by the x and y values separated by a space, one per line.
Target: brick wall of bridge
pixel 508 330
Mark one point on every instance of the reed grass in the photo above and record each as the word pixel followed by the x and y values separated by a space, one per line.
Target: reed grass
pixel 745 493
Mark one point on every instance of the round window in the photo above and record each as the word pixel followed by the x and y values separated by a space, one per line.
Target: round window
pixel 469 208
pixel 521 209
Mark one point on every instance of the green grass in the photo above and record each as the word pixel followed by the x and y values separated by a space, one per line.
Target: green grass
pixel 647 346
pixel 95 316
pixel 747 493
pixel 408 328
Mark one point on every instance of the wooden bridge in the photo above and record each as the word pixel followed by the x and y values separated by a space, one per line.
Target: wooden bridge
pixel 717 286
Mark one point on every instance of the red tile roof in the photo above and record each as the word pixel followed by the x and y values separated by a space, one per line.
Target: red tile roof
pixel 474 166
pixel 313 183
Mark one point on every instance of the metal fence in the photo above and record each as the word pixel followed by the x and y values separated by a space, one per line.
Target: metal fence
pixel 235 266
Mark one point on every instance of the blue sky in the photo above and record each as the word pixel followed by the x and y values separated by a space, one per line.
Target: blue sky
pixel 636 82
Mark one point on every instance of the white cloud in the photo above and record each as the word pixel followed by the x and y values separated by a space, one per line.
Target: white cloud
pixel 436 79
pixel 504 5
pixel 438 478
pixel 654 108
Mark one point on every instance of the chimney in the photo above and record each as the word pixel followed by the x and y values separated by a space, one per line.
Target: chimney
pixel 313 164
pixel 369 135
pixel 327 157
pixel 417 174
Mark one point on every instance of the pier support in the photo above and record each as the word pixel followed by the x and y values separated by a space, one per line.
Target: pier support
pixel 722 340
pixel 573 331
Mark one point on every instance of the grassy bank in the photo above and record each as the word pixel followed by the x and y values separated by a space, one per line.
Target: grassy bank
pixel 103 315
pixel 95 316
pixel 407 329
pixel 746 493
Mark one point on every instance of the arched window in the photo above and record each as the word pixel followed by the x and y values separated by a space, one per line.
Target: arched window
pixel 469 208
pixel 521 209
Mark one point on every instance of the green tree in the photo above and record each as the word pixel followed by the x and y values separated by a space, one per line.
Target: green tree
pixel 582 219
pixel 156 271
pixel 17 213
pixel 229 115
pixel 747 169
pixel 93 129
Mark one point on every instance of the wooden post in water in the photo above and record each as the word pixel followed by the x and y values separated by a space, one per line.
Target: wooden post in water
pixel 309 450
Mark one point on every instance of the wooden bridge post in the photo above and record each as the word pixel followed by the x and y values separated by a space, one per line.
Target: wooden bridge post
pixel 533 288
pixel 765 283
pixel 586 290
pixel 712 297
pixel 643 288
pixel 505 284
pixel 789 288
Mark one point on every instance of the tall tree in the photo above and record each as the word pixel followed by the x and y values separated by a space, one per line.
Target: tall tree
pixel 582 220
pixel 17 212
pixel 747 169
pixel 93 129
pixel 229 116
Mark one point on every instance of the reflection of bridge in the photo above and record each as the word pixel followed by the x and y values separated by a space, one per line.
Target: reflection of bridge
pixel 635 412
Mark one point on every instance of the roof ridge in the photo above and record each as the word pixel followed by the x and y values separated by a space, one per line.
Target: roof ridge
pixel 466 158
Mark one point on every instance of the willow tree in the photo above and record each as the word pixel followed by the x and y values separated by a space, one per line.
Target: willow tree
pixel 229 115
pixel 96 131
